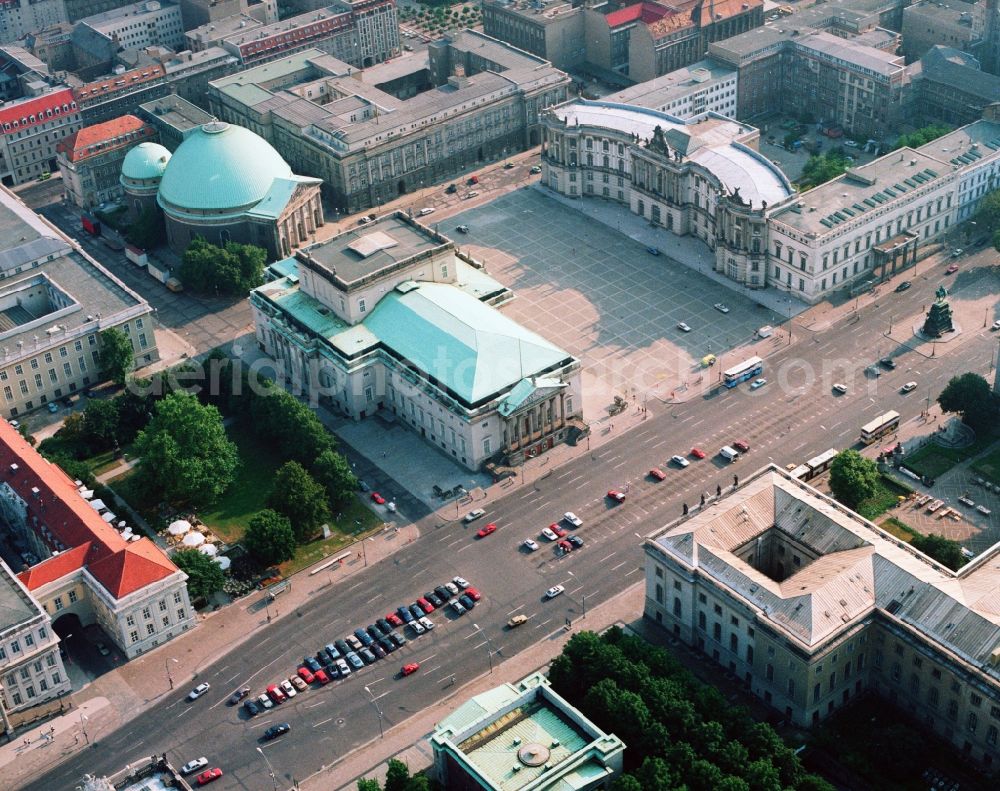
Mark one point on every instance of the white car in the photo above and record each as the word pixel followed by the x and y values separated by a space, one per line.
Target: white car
pixel 840 388
pixel 288 688
pixel 531 545
pixel 573 519
pixel 995 326
pixel 757 383
pixel 851 143
pixel 554 591
pixel 456 605
pixel 425 211
pixel 461 582
pixel 199 690
pixel 194 765
pixel 473 515
pixel 721 307
pixel 418 627
pixel 452 588
pixel 427 623
pixel 680 461
pixel 343 668
pixel 683 327
pixel 265 701
pixel 548 535
pixel 908 387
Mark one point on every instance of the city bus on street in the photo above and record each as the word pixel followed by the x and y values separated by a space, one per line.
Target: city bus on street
pixel 745 370
pixel 879 427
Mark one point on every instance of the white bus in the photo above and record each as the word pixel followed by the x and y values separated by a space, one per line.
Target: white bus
pixel 745 370
pixel 879 427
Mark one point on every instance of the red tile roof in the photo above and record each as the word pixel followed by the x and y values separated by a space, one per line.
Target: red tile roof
pixel 116 83
pixel 18 116
pixel 126 130
pixel 647 12
pixel 69 523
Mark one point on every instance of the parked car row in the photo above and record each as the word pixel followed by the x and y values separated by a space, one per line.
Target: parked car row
pixel 364 646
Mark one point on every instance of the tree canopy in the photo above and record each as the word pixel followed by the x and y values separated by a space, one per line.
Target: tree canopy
pixel 117 356
pixel 942 549
pixel 680 732
pixel 297 495
pixel 921 136
pixel 969 395
pixel 853 477
pixel 821 168
pixel 269 537
pixel 333 472
pixel 205 576
pixel 148 231
pixel 232 270
pixel 184 454
pixel 397 778
pixel 281 418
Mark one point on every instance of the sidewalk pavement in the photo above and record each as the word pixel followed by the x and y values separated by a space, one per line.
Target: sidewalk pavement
pixel 113 699
pixel 407 741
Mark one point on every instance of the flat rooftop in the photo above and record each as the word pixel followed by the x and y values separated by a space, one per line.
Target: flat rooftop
pixel 135 11
pixel 712 141
pixel 176 112
pixel 16 606
pixel 680 82
pixel 362 253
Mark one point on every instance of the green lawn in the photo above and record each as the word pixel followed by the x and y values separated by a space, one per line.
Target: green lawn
pixel 933 460
pixel 883 499
pixel 989 466
pixel 356 520
pixel 899 529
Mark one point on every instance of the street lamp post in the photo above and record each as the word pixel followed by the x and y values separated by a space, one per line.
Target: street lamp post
pixel 378 709
pixel 83 726
pixel 489 645
pixel 270 769
pixel 166 666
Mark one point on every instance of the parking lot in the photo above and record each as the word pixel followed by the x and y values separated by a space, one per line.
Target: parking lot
pixel 604 297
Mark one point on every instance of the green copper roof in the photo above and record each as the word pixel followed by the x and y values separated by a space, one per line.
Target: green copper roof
pixel 470 348
pixel 220 167
pixel 145 161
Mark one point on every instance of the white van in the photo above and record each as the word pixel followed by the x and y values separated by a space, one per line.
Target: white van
pixel 425 211
pixel 766 331
pixel 729 454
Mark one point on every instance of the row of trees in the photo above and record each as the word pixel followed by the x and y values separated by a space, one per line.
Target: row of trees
pixel 679 732
pixel 397 778
pixel 232 270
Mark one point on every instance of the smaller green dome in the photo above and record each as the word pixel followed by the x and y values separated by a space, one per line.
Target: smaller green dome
pixel 144 162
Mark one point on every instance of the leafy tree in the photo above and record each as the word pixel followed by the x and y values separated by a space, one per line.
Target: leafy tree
pixel 988 214
pixel 334 473
pixel 205 576
pixel 297 495
pixel 853 477
pixel 279 416
pixel 148 230
pixel 117 356
pixel 397 777
pixel 823 167
pixel 184 454
pixel 789 140
pixel 941 549
pixel 269 537
pixel 968 395
pixel 231 270
pixel 921 136
pixel 368 785
pixel 135 408
pixel 100 422
pixel 996 241
pixel 626 782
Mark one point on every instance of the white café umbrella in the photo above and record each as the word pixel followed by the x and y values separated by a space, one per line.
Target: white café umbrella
pixel 208 549
pixel 194 539
pixel 179 528
pixel 223 561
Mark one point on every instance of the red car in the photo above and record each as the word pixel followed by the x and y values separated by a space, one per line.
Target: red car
pixel 306 675
pixel 321 677
pixel 617 496
pixel 410 669
pixel 485 531
pixel 425 605
pixel 473 594
pixel 698 453
pixel 378 499
pixel 951 269
pixel 742 446
pixel 565 547
pixel 394 619
pixel 657 473
pixel 209 776
pixel 559 531
pixel 276 693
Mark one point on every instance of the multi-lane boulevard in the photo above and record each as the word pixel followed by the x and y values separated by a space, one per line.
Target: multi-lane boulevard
pixel 792 418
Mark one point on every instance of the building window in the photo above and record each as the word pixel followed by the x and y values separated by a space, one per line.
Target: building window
pixel 133 636
pixel 150 629
pixel 50 660
pixel 146 614
pixel 180 613
pixel 58 602
pixel 72 596
pixel 487 447
pixel 29 640
pixel 163 605
pixel 166 621
pixel 130 620
pixel 361 305
pixel 177 597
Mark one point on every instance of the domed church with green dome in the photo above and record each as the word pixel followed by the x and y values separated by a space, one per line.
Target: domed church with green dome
pixel 224 183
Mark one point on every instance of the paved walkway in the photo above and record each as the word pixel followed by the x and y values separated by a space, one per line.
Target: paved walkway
pixel 407 741
pixel 113 699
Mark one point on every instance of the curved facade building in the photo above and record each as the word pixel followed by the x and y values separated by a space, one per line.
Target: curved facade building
pixel 142 170
pixel 702 178
pixel 224 183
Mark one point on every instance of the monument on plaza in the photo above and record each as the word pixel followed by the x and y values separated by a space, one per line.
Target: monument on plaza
pixel 939 316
